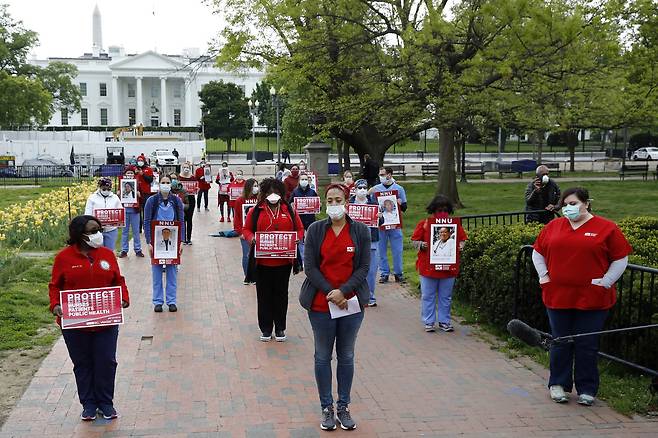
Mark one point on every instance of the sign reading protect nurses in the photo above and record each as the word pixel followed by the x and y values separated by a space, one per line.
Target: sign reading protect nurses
pixel 95 307
pixel 111 217
pixel 276 245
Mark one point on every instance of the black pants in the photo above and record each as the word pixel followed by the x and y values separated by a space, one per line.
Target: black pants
pixel 94 364
pixel 272 292
pixel 205 198
pixel 189 213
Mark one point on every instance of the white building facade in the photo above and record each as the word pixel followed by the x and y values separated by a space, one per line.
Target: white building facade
pixel 148 88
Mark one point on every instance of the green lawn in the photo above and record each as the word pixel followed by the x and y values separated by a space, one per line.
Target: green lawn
pixel 9 196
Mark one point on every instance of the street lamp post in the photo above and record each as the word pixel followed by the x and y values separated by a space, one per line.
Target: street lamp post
pixel 253 110
pixel 275 102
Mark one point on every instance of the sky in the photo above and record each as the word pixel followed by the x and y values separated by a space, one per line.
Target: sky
pixel 168 26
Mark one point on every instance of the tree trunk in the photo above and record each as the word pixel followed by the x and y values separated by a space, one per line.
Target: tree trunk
pixel 447 177
pixel 540 146
pixel 458 155
pixel 339 150
pixel 346 157
pixel 572 158
pixel 228 145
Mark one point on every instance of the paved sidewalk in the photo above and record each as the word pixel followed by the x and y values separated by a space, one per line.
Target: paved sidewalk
pixel 202 372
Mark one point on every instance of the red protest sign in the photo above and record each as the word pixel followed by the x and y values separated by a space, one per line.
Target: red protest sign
pixel 307 205
pixel 223 189
pixel 235 192
pixel 191 187
pixel 166 242
pixel 91 307
pixel 276 245
pixel 389 208
pixel 364 213
pixel 111 217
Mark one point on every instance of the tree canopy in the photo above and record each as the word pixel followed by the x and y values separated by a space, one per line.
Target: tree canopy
pixel 225 111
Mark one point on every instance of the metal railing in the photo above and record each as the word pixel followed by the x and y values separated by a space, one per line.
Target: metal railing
pixel 491 219
pixel 637 304
pixel 59 174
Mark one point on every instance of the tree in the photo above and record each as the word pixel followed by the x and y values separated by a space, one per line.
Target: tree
pixel 225 112
pixel 57 78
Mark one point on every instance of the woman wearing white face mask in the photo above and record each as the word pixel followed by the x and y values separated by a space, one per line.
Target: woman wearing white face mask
pixel 164 206
pixel 303 190
pixel 272 213
pixel 104 198
pixel 248 199
pixel 579 258
pixel 336 261
pixel 186 175
pixel 85 264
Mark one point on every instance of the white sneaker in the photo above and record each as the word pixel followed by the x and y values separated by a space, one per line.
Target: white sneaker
pixel 558 395
pixel 266 338
pixel 585 400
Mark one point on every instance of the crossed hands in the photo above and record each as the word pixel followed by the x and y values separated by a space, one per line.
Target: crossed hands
pixel 336 296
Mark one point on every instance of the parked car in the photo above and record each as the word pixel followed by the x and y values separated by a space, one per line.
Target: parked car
pixel 163 157
pixel 44 166
pixel 645 154
pixel 8 172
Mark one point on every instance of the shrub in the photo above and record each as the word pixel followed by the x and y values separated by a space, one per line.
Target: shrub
pixel 562 138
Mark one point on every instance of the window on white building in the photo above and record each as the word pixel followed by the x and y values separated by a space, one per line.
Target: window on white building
pixel 132 118
pixel 103 89
pixel 83 89
pixel 84 117
pixel 131 90
pixel 103 116
pixel 154 90
pixel 177 91
pixel 177 118
pixel 65 116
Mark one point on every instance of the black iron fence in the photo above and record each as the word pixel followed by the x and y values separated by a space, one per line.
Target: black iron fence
pixel 637 304
pixel 478 220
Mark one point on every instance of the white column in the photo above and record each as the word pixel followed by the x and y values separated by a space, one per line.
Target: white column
pixel 115 101
pixel 188 101
pixel 139 117
pixel 163 102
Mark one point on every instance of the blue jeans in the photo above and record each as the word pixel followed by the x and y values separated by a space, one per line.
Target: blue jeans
pixel 395 236
pixel 110 238
pixel 245 255
pixel 431 291
pixel 172 276
pixel 372 272
pixel 577 359
pixel 342 332
pixel 132 223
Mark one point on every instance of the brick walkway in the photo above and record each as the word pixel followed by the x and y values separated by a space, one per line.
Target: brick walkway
pixel 202 372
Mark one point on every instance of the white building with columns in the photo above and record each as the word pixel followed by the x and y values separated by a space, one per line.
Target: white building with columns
pixel 150 88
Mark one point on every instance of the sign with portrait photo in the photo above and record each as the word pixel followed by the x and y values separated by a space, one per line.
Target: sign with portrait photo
pixel 443 243
pixel 234 192
pixel 91 307
pixel 111 217
pixel 390 210
pixel 155 184
pixel 166 241
pixel 128 192
pixel 276 245
pixel 367 214
pixel 307 205
pixel 248 205
pixel 312 180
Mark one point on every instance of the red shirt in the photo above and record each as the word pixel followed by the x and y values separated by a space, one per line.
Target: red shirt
pixel 336 255
pixel 267 221
pixel 198 174
pixel 143 186
pixel 422 233
pixel 237 212
pixel 73 270
pixel 291 183
pixel 575 257
pixel 232 184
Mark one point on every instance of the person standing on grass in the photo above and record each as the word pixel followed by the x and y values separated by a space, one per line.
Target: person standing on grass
pixel 579 258
pixel 337 260
pixel 164 206
pixel 204 186
pixel 272 213
pixel 435 285
pixel 542 193
pixel 132 223
pixel 85 264
pixel 224 179
pixel 186 175
pixel 361 197
pixel 303 190
pixel 100 199
pixel 394 235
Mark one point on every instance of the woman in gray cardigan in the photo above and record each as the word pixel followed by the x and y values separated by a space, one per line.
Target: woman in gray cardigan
pixel 336 261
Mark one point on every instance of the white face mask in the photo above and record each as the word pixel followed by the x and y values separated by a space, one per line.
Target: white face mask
pixel 165 187
pixel 383 179
pixel 140 163
pixel 186 170
pixel 544 179
pixel 255 190
pixel 361 193
pixel 336 212
pixel 239 177
pixel 303 183
pixel 348 180
pixel 273 198
pixel 95 240
pixel 106 193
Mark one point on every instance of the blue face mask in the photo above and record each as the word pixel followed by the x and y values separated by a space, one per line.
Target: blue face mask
pixel 571 212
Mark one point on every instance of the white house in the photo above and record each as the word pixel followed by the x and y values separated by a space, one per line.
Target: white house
pixel 148 88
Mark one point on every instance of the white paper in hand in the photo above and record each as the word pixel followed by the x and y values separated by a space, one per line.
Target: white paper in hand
pixel 352 308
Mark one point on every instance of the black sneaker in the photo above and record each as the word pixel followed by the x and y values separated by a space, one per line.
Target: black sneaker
pixel 158 308
pixel 446 327
pixel 328 419
pixel 122 254
pixel 245 282
pixel 108 411
pixel 88 413
pixel 345 419
pixel 280 336
pixel 173 308
pixel 383 279
pixel 400 279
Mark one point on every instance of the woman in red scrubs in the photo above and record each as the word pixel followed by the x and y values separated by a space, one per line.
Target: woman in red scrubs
pixel 336 261
pixel 86 264
pixel 579 258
